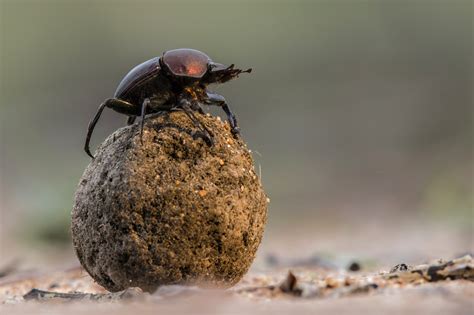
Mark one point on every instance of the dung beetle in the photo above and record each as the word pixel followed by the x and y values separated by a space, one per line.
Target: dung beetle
pixel 177 80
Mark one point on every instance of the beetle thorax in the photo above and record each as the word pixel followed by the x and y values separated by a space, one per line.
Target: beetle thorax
pixel 186 63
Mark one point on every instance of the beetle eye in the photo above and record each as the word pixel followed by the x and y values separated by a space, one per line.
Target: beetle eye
pixel 186 62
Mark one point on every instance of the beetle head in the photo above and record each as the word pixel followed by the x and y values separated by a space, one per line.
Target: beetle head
pixel 187 64
pixel 219 73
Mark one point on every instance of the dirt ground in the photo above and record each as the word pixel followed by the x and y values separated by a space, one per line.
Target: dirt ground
pixel 413 274
pixel 448 290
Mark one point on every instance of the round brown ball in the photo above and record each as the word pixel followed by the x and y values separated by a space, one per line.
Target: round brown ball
pixel 169 209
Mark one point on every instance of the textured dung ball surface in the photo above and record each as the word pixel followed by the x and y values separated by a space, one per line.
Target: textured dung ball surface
pixel 169 210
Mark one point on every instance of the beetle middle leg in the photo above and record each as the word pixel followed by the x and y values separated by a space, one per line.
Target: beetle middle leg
pixel 117 105
pixel 219 100
pixel 145 105
pixel 131 120
pixel 197 107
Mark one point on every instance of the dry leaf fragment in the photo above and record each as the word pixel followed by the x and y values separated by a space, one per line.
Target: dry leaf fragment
pixel 289 284
pixel 399 267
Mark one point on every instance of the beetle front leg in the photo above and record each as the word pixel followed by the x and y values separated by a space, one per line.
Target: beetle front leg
pixel 219 100
pixel 186 107
pixel 117 105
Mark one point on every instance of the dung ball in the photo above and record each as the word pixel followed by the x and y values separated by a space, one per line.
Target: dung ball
pixel 169 209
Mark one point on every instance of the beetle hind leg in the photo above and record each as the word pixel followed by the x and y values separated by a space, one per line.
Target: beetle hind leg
pixel 91 127
pixel 120 106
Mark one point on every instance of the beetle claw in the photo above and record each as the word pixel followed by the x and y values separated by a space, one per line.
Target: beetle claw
pixel 209 141
pixel 206 138
pixel 235 131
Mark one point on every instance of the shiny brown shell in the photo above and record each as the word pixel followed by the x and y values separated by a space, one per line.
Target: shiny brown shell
pixel 137 76
pixel 186 62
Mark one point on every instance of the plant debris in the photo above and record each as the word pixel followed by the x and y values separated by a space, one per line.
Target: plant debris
pixel 399 267
pixel 40 295
pixel 455 276
pixel 343 285
pixel 289 284
pixel 460 268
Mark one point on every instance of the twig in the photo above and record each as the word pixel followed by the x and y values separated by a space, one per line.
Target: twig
pixel 40 295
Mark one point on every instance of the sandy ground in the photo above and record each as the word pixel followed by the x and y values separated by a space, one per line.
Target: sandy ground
pixel 317 289
pixel 323 282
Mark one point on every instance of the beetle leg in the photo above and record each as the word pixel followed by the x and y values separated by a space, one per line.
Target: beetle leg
pixel 184 105
pixel 219 100
pixel 116 104
pixel 91 127
pixel 197 107
pixel 145 105
pixel 131 120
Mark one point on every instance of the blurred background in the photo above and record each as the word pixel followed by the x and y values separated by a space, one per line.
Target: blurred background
pixel 359 114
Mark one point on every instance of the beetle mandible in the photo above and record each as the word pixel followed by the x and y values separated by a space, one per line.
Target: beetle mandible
pixel 177 80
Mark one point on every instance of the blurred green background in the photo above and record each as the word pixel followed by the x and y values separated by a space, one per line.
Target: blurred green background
pixel 358 112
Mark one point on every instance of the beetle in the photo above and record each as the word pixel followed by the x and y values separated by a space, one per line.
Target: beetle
pixel 177 80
